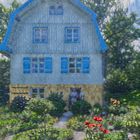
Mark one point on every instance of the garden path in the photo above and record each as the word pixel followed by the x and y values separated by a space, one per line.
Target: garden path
pixel 63 120
pixel 8 138
pixel 62 124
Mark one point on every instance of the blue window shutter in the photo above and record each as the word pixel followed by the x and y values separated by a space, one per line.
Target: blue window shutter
pixel 64 65
pixel 86 64
pixel 26 65
pixel 48 65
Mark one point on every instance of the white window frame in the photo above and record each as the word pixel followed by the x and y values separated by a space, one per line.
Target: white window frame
pixel 40 36
pixel 72 37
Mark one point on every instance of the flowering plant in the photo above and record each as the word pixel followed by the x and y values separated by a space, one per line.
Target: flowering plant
pixel 116 107
pixel 95 130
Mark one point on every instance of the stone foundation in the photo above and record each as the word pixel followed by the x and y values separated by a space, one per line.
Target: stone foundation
pixel 93 93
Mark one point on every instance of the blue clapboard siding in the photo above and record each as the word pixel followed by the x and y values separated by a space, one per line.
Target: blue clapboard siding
pixel 23 46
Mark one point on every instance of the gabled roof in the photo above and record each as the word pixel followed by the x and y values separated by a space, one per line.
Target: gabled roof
pixel 4 47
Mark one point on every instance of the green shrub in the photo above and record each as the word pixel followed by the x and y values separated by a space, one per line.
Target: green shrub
pixel 97 109
pixel 81 107
pixel 131 121
pixel 118 135
pixel 117 82
pixel 48 133
pixel 116 107
pixel 40 106
pixel 28 115
pixel 4 98
pixel 18 104
pixel 75 123
pixel 58 102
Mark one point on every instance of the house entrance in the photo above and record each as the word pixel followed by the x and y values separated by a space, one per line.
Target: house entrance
pixel 76 94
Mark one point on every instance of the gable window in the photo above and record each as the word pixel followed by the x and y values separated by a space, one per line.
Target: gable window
pixel 72 35
pixel 37 65
pixel 75 65
pixel 52 10
pixel 56 10
pixel 59 10
pixel 40 35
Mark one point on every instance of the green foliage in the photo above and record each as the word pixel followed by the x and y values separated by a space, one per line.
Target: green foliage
pixel 81 107
pixel 133 70
pixel 40 106
pixel 97 109
pixel 117 82
pixel 18 104
pixel 131 121
pixel 76 123
pixel 101 8
pixel 58 102
pixel 4 17
pixel 122 61
pixel 120 32
pixel 4 75
pixel 55 97
pixel 48 133
pixel 4 98
pixel 118 135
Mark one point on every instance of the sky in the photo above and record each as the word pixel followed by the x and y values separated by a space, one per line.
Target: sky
pixel 7 2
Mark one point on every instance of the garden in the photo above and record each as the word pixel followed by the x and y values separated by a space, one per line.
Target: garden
pixel 117 119
pixel 34 119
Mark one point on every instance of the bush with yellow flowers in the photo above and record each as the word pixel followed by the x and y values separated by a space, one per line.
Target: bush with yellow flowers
pixel 116 107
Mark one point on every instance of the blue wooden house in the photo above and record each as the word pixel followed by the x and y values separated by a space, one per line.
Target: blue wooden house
pixel 55 46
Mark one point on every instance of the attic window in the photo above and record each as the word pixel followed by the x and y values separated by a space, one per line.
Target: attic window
pixel 52 10
pixel 60 10
pixel 56 10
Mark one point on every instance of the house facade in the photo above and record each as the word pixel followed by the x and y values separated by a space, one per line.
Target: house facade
pixel 55 45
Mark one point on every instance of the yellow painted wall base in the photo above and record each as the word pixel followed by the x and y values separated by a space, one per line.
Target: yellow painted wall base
pixel 93 93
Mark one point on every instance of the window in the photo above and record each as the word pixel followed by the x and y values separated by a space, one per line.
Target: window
pixel 34 65
pixel 40 35
pixel 37 65
pixel 52 10
pixel 41 65
pixel 26 65
pixel 75 65
pixel 37 92
pixel 56 10
pixel 72 35
pixel 59 10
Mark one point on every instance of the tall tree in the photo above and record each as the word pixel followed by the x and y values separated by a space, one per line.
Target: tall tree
pixel 120 32
pixel 5 63
pixel 103 9
pixel 4 17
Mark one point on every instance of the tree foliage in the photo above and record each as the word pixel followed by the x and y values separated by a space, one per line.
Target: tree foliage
pixel 120 32
pixel 4 63
pixel 4 17
pixel 103 9
pixel 122 63
pixel 4 74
